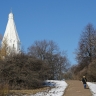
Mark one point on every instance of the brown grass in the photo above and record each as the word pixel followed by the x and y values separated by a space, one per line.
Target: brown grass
pixel 28 92
pixel 4 89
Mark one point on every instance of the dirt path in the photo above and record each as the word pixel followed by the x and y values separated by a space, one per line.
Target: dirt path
pixel 75 88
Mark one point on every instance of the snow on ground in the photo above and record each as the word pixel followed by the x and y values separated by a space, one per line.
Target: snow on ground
pixel 92 87
pixel 57 90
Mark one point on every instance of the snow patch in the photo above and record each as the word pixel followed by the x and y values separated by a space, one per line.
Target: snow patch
pixel 92 87
pixel 57 90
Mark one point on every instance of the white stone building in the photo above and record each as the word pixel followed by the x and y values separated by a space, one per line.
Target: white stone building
pixel 11 37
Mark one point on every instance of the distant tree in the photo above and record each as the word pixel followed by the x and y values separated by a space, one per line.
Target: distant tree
pixel 49 52
pixel 61 65
pixel 71 72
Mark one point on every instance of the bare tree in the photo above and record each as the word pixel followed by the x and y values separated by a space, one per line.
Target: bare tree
pixel 40 48
pixel 49 52
pixel 87 45
pixel 86 52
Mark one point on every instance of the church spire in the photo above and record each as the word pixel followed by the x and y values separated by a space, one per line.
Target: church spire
pixel 11 15
pixel 11 35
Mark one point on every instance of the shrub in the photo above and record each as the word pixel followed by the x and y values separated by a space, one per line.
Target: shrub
pixel 92 71
pixel 22 72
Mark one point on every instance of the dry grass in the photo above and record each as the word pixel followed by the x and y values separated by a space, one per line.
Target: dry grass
pixel 4 89
pixel 28 92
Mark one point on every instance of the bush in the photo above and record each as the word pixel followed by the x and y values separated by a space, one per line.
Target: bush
pixel 22 72
pixel 92 71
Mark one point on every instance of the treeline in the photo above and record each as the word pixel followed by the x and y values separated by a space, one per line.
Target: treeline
pixel 85 55
pixel 42 61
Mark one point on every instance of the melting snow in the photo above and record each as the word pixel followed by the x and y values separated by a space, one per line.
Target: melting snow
pixel 57 90
pixel 92 87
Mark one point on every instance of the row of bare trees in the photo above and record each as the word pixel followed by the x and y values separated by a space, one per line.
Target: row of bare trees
pixel 42 61
pixel 54 62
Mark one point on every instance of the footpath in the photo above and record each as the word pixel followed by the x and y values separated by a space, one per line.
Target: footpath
pixel 75 88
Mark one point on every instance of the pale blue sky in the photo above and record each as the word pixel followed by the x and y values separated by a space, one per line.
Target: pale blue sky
pixel 59 20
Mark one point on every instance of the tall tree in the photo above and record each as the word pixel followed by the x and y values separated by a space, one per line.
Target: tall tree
pixel 87 45
pixel 86 52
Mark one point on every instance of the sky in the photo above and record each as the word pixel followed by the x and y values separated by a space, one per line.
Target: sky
pixel 61 21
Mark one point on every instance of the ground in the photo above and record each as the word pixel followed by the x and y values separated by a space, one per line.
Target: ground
pixel 75 88
pixel 65 88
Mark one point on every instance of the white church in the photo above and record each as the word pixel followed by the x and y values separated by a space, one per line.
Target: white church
pixel 11 36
